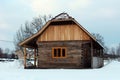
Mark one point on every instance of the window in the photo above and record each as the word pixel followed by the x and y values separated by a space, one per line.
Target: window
pixel 59 52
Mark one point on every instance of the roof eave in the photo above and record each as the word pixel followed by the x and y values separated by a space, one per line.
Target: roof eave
pixel 34 35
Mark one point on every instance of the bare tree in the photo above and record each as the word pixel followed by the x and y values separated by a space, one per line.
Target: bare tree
pixel 100 39
pixel 1 52
pixel 113 53
pixel 7 51
pixel 118 50
pixel 29 29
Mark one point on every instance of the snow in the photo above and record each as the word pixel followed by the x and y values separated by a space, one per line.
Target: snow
pixel 13 71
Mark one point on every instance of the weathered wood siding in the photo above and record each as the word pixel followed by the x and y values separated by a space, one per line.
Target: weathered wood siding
pixel 63 32
pixel 76 58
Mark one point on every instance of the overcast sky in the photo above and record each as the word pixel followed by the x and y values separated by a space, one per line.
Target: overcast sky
pixel 97 16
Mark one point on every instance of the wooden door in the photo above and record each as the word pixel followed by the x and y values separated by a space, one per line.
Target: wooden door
pixel 87 55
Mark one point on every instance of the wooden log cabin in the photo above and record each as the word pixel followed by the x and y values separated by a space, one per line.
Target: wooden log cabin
pixel 63 43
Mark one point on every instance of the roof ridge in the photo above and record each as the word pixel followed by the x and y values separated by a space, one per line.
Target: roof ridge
pixel 62 16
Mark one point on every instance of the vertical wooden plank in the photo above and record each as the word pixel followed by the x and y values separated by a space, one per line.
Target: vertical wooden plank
pixel 55 35
pixel 78 36
pixel 72 32
pixel 51 33
pixel 52 37
pixel 62 32
pixel 68 32
pixel 76 32
pixel 25 57
pixel 65 33
pixel 58 32
pixel 46 34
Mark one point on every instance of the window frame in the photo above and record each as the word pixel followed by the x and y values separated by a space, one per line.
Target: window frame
pixel 61 54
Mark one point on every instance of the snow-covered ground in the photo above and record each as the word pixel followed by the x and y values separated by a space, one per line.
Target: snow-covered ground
pixel 13 71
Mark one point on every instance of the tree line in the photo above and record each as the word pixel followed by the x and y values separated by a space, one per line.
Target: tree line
pixel 7 54
pixel 109 53
pixel 114 52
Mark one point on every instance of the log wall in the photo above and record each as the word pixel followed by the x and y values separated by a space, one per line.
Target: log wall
pixel 75 55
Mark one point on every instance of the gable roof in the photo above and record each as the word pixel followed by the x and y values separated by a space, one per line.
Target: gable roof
pixel 58 18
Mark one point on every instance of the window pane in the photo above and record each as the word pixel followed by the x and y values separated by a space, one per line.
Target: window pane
pixel 59 52
pixel 63 52
pixel 55 52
